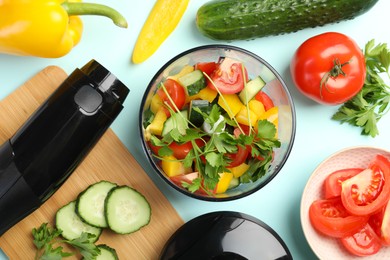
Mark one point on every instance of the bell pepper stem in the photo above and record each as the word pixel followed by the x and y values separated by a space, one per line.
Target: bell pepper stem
pixel 80 8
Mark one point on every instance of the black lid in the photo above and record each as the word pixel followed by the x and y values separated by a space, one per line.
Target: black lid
pixel 225 235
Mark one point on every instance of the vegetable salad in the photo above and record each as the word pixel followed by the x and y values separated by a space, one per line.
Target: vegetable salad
pixel 211 127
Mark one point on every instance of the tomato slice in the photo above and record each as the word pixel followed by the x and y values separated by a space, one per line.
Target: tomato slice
pixel 176 93
pixel 363 243
pixel 329 217
pixel 239 157
pixel 332 184
pixel 206 67
pixel 265 99
pixel 180 151
pixel 228 78
pixel 367 192
pixel 385 224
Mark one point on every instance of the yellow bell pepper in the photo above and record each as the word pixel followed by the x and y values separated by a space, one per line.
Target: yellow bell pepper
pixel 224 181
pixel 246 116
pixel 46 28
pixel 257 107
pixel 271 114
pixel 231 103
pixel 157 124
pixel 239 170
pixel 162 20
pixel 156 104
pixel 172 167
pixel 204 94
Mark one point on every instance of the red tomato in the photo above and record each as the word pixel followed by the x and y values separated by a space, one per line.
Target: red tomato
pixel 180 151
pixel 239 157
pixel 329 68
pixel 329 217
pixel 365 242
pixel 333 182
pixel 228 77
pixel 175 91
pixel 385 224
pixel 206 67
pixel 265 99
pixel 154 148
pixel 367 192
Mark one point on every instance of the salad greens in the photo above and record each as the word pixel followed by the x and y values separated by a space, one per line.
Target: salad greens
pixel 218 142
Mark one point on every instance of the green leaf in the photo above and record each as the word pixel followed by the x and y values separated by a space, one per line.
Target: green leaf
pixel 214 159
pixel 83 243
pixel 165 151
pixel 366 108
pixel 193 186
pixel 266 129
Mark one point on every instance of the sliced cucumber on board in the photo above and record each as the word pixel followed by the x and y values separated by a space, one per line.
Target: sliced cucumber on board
pixel 107 253
pixel 71 225
pixel 90 203
pixel 126 210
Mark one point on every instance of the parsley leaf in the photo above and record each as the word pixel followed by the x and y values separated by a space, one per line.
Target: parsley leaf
pixel 83 243
pixel 45 239
pixel 372 102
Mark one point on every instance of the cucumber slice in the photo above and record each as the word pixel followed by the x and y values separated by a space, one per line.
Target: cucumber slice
pixel 127 210
pixel 106 253
pixel 176 121
pixel 194 116
pixel 90 203
pixel 251 89
pixel 71 225
pixel 193 82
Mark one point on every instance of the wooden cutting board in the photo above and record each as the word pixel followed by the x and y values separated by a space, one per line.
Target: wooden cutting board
pixel 109 160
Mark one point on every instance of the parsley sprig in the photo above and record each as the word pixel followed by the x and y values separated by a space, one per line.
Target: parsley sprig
pixel 48 243
pixel 218 142
pixel 372 102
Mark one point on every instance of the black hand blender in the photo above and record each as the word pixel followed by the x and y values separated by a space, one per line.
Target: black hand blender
pixel 49 146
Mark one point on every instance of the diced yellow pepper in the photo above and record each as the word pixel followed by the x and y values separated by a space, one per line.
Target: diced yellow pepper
pixel 185 70
pixel 172 167
pixel 157 124
pixel 246 117
pixel 224 181
pixel 239 170
pixel 231 103
pixel 271 114
pixel 204 94
pixel 156 104
pixel 257 107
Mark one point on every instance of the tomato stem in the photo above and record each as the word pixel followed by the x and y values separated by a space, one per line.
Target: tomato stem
pixel 336 71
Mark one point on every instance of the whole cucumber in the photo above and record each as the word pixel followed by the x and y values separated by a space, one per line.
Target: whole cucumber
pixel 247 19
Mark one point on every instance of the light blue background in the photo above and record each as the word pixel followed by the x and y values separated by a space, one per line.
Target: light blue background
pixel 317 136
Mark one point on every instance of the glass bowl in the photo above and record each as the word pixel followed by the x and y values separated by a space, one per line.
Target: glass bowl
pixel 275 88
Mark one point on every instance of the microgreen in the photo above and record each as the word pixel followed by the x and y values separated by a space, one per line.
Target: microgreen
pixel 372 102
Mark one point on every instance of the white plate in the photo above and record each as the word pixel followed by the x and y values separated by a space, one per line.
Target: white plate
pixel 325 247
